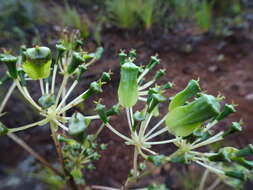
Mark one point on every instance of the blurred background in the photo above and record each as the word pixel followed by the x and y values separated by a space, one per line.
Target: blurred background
pixel 207 39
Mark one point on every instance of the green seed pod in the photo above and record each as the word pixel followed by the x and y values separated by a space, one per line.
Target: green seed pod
pixel 157 160
pixel 99 52
pixel 77 59
pixel 224 155
pixel 22 78
pixel 128 87
pixel 245 163
pixel 159 74
pixel 101 112
pixel 77 126
pixel 60 50
pixel 114 110
pixel 247 151
pixel 106 77
pixel 183 158
pixel 183 120
pixel 122 57
pixel 236 174
pixel 168 85
pixel 235 127
pixel 95 87
pixel 10 62
pixel 3 130
pixel 81 69
pixel 180 98
pixel 132 53
pixel 37 63
pixel 4 79
pixel 155 100
pixel 228 109
pixel 153 62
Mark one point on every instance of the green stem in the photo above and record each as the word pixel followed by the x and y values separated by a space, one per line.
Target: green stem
pixel 33 153
pixel 67 175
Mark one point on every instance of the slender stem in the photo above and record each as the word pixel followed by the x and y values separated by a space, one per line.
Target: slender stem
pixel 53 78
pixel 143 93
pixel 117 133
pixel 68 176
pixel 148 84
pixel 67 95
pixel 215 184
pixel 74 102
pixel 101 127
pixel 156 126
pixel 161 142
pixel 47 87
pixel 7 96
pixel 131 115
pixel 144 125
pixel 143 74
pixel 203 180
pixel 39 123
pixel 142 99
pixel 129 119
pixel 33 153
pixel 99 187
pixel 135 162
pixel 148 150
pixel 64 82
pixel 213 139
pixel 42 87
pixel 212 169
pixel 61 125
pixel 27 96
pixel 156 134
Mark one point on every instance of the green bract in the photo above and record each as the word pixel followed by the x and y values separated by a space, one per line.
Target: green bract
pixel 10 62
pixel 37 62
pixel 180 98
pixel 128 88
pixel 183 120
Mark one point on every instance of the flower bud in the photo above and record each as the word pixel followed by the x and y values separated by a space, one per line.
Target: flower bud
pixel 153 62
pixel 228 109
pixel 101 112
pixel 159 74
pixel 47 100
pixel 37 63
pixel 128 87
pixel 77 126
pixel 122 57
pixel 183 120
pixel 157 160
pixel 3 130
pixel 247 151
pixel 235 127
pixel 180 98
pixel 77 59
pixel 10 62
pixel 155 100
pixel 95 87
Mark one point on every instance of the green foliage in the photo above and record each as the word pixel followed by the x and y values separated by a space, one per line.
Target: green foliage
pixel 68 16
pixel 130 13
